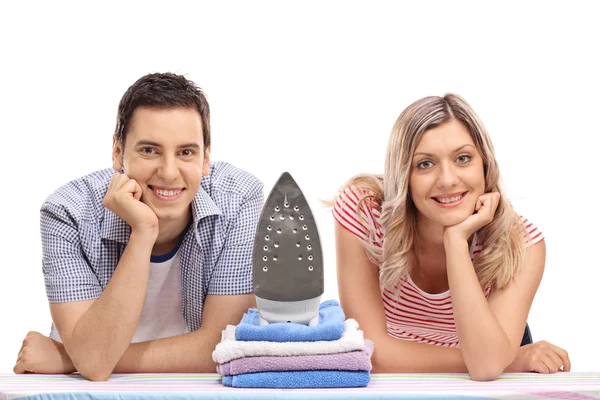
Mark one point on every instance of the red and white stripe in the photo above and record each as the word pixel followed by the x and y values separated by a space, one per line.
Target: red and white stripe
pixel 411 313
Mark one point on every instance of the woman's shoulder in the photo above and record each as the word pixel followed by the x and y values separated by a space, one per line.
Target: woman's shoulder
pixel 531 232
pixel 359 201
pixel 358 209
pixel 357 194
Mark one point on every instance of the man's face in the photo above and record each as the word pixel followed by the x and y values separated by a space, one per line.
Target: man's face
pixel 164 153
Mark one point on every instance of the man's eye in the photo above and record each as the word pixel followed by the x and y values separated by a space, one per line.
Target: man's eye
pixel 426 164
pixel 187 153
pixel 464 158
pixel 147 150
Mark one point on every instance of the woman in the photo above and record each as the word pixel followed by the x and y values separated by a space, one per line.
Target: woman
pixel 437 223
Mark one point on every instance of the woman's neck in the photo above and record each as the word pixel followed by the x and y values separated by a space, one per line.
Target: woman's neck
pixel 430 235
pixel 429 273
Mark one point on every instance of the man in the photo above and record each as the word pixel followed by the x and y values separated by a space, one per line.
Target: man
pixel 146 263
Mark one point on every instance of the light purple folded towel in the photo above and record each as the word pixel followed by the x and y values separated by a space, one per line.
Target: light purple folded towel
pixel 349 361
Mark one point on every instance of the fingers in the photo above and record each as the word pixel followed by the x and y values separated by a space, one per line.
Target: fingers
pixel 121 182
pixel 495 197
pixel 484 207
pixel 566 364
pixel 19 367
pixel 137 191
pixel 548 358
pixel 552 365
pixel 564 357
pixel 133 188
pixel 20 354
pixel 21 349
pixel 556 360
pixel 539 366
pixel 117 181
pixel 18 362
pixel 479 204
pixel 487 204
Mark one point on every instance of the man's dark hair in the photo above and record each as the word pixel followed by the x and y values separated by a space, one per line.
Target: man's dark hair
pixel 162 90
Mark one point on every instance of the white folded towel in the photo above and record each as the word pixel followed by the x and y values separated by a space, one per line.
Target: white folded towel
pixel 230 349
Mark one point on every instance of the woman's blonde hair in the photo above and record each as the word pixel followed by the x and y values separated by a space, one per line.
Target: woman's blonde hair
pixel 502 239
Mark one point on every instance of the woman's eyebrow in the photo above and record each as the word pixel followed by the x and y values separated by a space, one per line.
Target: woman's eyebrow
pixel 454 151
pixel 463 146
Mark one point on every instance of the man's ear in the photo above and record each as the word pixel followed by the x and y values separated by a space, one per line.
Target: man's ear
pixel 117 154
pixel 206 162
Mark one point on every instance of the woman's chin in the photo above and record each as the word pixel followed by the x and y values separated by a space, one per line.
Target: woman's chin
pixel 451 220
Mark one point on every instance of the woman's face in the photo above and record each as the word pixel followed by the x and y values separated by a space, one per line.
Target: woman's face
pixel 446 175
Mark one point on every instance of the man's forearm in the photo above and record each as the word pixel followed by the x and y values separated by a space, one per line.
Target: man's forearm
pixel 104 332
pixel 191 352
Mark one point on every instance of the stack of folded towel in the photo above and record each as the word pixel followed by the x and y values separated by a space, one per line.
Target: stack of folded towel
pixel 331 354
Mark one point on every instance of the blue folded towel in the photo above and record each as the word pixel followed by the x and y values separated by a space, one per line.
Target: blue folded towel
pixel 330 327
pixel 299 379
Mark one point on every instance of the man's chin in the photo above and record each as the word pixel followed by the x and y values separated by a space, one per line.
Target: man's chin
pixel 169 216
pixel 172 213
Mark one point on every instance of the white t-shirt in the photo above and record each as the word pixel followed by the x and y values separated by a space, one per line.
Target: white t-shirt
pixel 162 314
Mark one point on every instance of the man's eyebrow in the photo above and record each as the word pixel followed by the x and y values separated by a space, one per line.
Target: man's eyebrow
pixel 144 142
pixel 189 146
pixel 454 151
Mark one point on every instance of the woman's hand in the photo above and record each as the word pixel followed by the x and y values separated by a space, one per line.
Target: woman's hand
pixel 484 214
pixel 541 357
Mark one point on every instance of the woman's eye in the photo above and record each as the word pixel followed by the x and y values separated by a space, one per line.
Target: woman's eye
pixel 426 164
pixel 463 159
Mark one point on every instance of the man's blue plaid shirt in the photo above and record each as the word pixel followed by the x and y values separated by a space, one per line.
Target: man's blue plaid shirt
pixel 83 241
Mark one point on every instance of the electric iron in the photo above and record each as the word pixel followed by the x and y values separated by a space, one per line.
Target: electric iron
pixel 287 258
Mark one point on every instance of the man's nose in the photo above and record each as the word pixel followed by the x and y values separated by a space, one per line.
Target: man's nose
pixel 168 170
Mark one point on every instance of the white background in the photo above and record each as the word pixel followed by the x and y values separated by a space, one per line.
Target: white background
pixel 312 88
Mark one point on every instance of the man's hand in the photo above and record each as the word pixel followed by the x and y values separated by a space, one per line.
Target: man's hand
pixel 541 357
pixel 123 198
pixel 41 355
pixel 484 214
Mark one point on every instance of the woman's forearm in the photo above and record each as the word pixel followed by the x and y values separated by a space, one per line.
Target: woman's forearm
pixel 403 356
pixel 484 345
